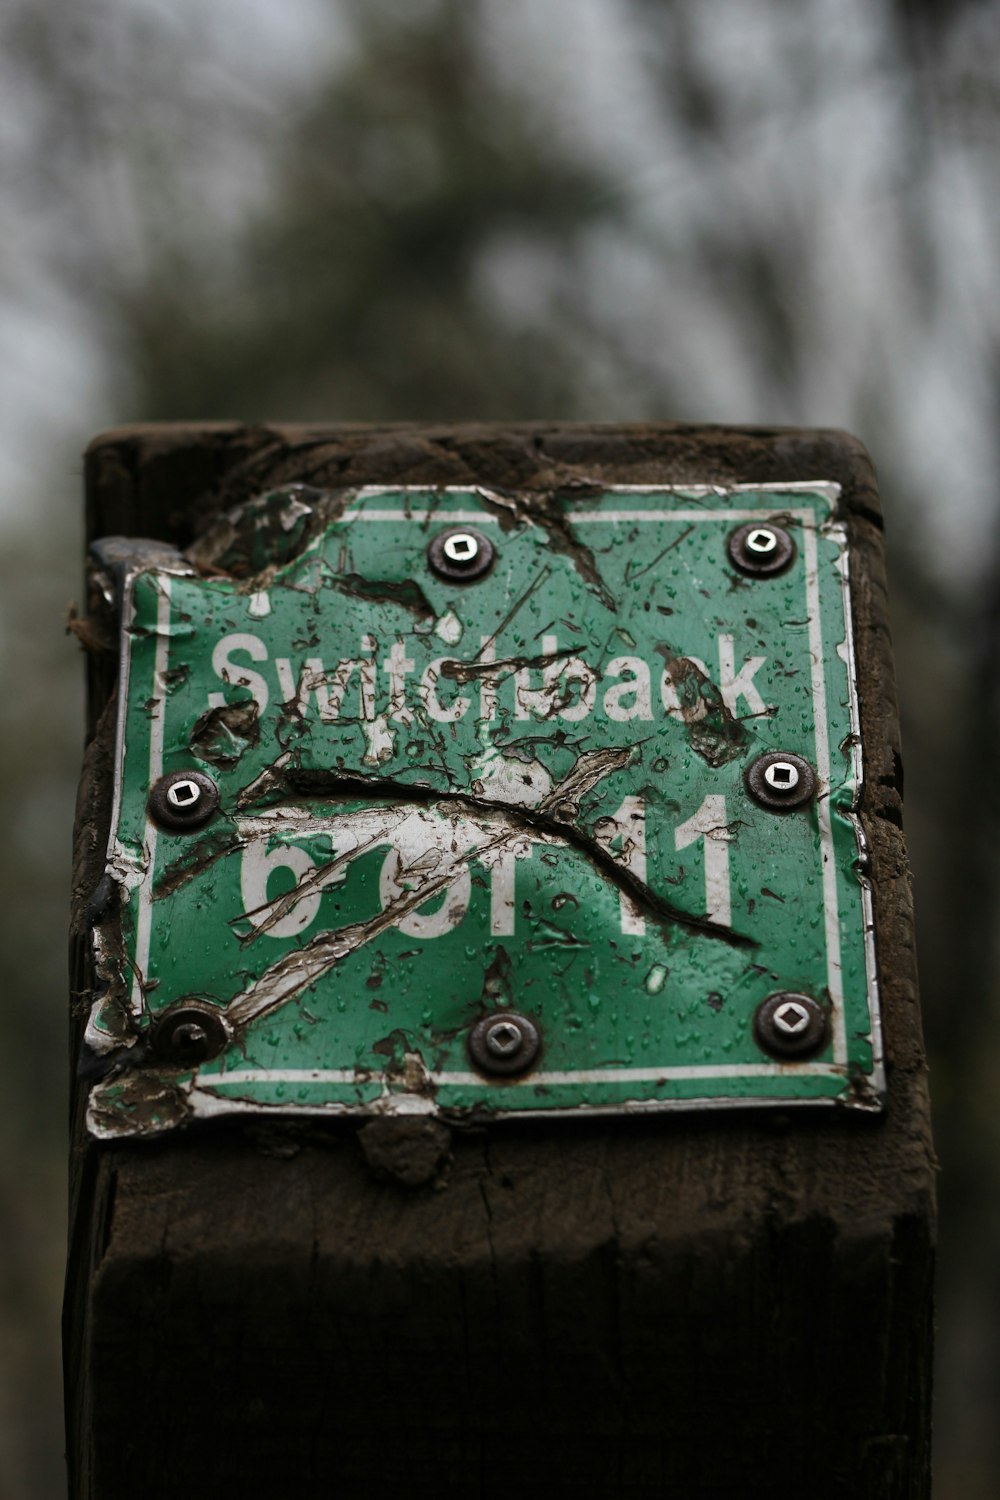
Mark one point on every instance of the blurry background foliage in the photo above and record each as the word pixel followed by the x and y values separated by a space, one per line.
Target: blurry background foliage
pixel 730 210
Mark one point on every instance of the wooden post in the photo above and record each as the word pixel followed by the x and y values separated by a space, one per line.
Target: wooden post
pixel 718 1304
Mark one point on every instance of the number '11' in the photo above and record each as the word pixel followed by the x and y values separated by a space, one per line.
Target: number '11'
pixel 624 835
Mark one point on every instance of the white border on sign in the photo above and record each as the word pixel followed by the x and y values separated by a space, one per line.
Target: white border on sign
pixel 157 713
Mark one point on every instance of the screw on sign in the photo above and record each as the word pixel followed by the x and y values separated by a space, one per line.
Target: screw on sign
pixel 763 541
pixel 183 801
pixel 781 781
pixel 781 776
pixel 189 1039
pixel 791 1018
pixel 184 794
pixel 461 548
pixel 790 1025
pixel 503 1038
pixel 504 1044
pixel 190 1033
pixel 761 551
pixel 461 555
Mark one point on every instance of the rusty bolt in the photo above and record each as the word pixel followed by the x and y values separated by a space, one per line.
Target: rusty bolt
pixel 183 800
pixel 761 548
pixel 781 780
pixel 504 1043
pixel 189 1033
pixel 461 554
pixel 790 1025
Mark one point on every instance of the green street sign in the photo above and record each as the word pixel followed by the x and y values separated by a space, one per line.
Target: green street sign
pixel 458 802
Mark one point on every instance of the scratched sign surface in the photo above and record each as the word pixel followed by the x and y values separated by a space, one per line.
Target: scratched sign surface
pixel 443 799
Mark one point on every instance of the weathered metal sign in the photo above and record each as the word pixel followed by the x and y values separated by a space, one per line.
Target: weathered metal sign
pixel 444 800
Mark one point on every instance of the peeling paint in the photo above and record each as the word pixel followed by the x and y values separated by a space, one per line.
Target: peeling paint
pixel 223 734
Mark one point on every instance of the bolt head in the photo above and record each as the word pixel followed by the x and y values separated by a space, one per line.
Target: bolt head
pixel 762 541
pixel 184 795
pixel 791 1018
pixel 791 1026
pixel 504 1045
pixel 781 776
pixel 461 554
pixel 461 548
pixel 187 1038
pixel 761 549
pixel 781 781
pixel 189 1033
pixel 183 800
pixel 504 1039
